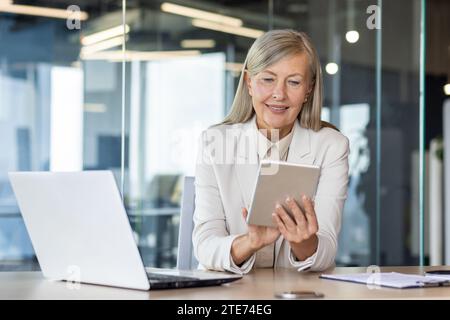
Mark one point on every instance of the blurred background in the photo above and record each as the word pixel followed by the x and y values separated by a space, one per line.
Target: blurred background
pixel 129 85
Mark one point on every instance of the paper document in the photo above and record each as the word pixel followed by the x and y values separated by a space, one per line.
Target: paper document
pixel 389 279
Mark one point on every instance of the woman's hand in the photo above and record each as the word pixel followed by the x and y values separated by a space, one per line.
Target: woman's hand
pixel 257 237
pixel 260 236
pixel 300 230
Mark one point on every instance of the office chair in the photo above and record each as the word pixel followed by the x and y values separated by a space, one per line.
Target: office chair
pixel 161 189
pixel 186 259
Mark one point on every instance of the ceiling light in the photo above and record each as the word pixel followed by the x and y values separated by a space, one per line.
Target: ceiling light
pixel 198 43
pixel 200 14
pixel 118 55
pixel 447 89
pixel 99 46
pixel 94 107
pixel 331 68
pixel 42 11
pixel 240 31
pixel 234 68
pixel 352 36
pixel 105 34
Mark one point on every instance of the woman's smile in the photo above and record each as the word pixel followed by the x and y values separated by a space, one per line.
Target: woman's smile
pixel 277 109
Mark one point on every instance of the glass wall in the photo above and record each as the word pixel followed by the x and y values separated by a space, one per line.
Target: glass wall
pixel 57 111
pixel 66 104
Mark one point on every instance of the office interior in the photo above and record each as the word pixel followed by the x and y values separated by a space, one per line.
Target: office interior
pixel 129 85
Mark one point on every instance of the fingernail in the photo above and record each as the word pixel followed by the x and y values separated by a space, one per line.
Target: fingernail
pixel 278 206
pixel 288 199
pixel 305 197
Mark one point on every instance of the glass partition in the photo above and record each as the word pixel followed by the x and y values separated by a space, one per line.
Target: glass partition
pixel 130 91
pixel 58 109
pixel 371 63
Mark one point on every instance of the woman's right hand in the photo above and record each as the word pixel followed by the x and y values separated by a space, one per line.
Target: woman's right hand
pixel 257 237
pixel 260 236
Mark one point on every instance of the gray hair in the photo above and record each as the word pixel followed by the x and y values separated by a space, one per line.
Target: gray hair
pixel 268 49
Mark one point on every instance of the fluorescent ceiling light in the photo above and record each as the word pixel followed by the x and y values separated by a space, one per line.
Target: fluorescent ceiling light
pixel 42 11
pixel 99 46
pixel 240 31
pixel 200 14
pixel 234 66
pixel 94 107
pixel 105 34
pixel 118 55
pixel 198 43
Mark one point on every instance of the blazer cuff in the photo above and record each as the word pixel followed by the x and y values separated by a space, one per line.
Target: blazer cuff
pixel 232 267
pixel 308 262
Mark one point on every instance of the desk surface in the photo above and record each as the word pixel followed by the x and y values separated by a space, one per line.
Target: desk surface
pixel 259 284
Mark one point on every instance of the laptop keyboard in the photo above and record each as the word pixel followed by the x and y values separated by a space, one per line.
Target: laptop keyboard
pixel 158 277
pixel 168 281
pixel 165 281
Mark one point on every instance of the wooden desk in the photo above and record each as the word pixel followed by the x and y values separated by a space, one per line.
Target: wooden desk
pixel 259 284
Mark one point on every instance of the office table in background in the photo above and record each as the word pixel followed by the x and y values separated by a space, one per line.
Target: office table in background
pixel 259 284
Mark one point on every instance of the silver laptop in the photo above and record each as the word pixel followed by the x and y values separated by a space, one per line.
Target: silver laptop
pixel 80 232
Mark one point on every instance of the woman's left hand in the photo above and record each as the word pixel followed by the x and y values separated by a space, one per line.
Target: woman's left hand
pixel 303 226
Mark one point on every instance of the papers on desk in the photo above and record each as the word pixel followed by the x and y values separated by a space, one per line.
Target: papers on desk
pixel 390 279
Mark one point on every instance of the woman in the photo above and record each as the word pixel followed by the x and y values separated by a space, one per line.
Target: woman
pixel 275 115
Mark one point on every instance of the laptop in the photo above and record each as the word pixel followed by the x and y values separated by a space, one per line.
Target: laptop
pixel 81 233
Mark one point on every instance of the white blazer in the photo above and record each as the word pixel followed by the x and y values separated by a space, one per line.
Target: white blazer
pixel 224 180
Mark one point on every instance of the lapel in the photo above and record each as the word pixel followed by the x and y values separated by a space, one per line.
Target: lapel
pixel 300 148
pixel 247 165
pixel 247 160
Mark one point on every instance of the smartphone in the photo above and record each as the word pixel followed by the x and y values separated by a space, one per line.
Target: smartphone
pixel 298 295
pixel 439 272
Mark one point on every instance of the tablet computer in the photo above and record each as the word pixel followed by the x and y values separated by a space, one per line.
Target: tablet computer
pixel 276 181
